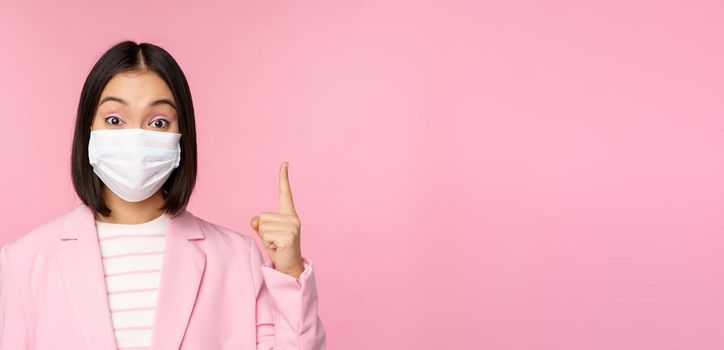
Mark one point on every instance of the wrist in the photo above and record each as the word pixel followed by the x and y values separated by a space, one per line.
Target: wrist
pixel 292 272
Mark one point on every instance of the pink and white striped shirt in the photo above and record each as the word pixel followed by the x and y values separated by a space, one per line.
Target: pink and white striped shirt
pixel 132 258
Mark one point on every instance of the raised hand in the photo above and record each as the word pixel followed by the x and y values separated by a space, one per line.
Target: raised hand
pixel 279 231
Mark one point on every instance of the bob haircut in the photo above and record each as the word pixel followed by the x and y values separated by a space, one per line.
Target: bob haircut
pixel 128 56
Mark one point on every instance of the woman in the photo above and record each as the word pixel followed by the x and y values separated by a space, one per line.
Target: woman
pixel 130 267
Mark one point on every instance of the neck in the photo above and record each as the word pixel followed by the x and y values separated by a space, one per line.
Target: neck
pixel 132 213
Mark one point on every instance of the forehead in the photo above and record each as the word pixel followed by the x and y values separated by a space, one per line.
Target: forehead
pixel 137 87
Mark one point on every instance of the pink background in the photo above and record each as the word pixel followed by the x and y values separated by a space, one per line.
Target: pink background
pixel 469 175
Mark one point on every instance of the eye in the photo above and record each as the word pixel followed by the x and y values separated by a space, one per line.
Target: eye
pixel 113 120
pixel 159 123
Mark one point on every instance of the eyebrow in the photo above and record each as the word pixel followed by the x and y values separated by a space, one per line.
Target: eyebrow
pixel 152 104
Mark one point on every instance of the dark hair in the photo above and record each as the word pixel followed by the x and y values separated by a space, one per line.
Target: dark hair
pixel 128 56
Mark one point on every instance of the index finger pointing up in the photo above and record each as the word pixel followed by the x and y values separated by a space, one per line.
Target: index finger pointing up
pixel 286 204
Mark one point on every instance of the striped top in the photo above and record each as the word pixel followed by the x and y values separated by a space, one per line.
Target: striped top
pixel 132 258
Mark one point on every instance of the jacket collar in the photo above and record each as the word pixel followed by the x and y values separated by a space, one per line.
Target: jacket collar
pixel 82 273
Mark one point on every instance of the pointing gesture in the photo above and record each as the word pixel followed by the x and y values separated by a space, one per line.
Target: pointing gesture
pixel 286 205
pixel 279 231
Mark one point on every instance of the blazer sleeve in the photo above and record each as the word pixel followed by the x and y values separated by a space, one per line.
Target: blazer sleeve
pixel 286 307
pixel 12 320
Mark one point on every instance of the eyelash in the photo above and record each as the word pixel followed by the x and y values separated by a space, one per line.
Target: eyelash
pixel 153 121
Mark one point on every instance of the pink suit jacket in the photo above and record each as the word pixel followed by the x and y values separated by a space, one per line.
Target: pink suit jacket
pixel 216 291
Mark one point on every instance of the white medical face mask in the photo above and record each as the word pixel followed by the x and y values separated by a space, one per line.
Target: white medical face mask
pixel 134 163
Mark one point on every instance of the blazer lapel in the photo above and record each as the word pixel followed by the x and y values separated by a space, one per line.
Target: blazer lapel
pixel 181 272
pixel 81 267
pixel 82 272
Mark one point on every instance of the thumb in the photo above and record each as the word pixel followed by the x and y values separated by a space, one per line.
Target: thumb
pixel 255 223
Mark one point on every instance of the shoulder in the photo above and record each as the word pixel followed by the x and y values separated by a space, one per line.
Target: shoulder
pixel 39 236
pixel 36 243
pixel 223 236
pixel 229 244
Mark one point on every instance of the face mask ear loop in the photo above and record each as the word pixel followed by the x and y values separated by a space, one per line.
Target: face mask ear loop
pixel 178 158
